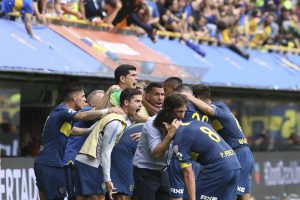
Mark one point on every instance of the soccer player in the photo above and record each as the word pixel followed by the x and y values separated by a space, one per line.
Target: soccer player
pixel 197 140
pixel 49 165
pixel 125 77
pixel 174 170
pixel 74 143
pixel 93 163
pixel 229 128
pixel 170 85
pixel 121 162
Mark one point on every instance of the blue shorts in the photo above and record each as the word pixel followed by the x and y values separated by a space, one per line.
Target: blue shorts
pixel 221 185
pixel 89 180
pixel 51 181
pixel 122 179
pixel 176 178
pixel 246 160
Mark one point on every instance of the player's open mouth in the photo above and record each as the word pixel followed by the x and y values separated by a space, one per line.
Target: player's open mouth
pixel 138 110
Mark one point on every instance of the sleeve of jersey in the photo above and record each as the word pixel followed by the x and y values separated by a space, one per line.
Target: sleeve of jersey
pixel 68 114
pixel 182 153
pixel 219 110
pixel 108 142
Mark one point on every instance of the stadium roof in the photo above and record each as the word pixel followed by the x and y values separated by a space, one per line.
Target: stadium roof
pixel 53 55
pixel 85 52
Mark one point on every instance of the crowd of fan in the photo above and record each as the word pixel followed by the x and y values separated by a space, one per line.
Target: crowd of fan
pixel 250 22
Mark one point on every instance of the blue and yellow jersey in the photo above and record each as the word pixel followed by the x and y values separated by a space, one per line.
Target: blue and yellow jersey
pixel 225 123
pixel 22 6
pixel 57 129
pixel 192 113
pixel 199 141
pixel 74 143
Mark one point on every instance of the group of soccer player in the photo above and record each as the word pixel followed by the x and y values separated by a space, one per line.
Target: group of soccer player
pixel 155 141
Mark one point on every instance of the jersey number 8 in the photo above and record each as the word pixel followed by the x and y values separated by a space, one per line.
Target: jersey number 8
pixel 210 134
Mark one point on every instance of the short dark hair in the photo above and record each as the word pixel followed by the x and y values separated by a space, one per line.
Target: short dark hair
pixel 127 94
pixel 184 88
pixel 164 115
pixel 123 70
pixel 174 101
pixel 175 81
pixel 153 85
pixel 70 88
pixel 201 91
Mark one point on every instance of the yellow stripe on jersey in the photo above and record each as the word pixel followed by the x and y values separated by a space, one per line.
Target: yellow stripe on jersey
pixel 194 155
pixel 185 165
pixel 18 5
pixel 216 125
pixel 185 123
pixel 66 129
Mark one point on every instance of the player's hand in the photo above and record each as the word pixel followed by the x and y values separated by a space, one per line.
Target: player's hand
pixel 136 136
pixel 116 110
pixel 110 189
pixel 172 128
pixel 37 38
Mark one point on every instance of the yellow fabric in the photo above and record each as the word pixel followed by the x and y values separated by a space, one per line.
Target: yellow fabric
pixel 185 165
pixel 18 5
pixel 194 155
pixel 90 145
pixel 216 125
pixel 259 32
pixel 66 129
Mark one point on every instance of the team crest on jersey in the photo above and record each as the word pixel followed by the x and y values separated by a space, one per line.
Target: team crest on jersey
pixel 178 154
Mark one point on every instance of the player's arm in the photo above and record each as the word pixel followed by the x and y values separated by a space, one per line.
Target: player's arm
pixel 202 106
pixel 90 115
pixel 28 26
pixel 77 131
pixel 189 180
pixel 159 150
pixel 108 142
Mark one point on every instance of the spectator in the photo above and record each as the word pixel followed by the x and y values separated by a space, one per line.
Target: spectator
pixel 26 11
pixel 172 17
pixel 260 29
pixel 94 12
pixel 71 9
